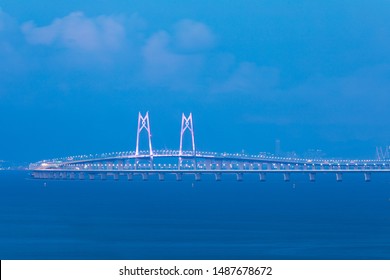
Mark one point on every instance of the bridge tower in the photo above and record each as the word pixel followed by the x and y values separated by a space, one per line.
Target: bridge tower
pixel 144 124
pixel 187 125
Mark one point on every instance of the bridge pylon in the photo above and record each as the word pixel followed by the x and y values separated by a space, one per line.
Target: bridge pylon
pixel 187 125
pixel 144 124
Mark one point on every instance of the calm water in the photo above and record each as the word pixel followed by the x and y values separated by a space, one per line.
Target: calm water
pixel 209 220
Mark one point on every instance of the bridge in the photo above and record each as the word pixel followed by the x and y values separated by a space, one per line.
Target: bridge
pixel 159 163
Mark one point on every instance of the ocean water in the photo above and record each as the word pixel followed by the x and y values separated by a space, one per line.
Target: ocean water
pixel 195 220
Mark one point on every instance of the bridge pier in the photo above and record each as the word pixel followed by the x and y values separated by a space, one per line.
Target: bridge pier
pixel 81 176
pixel 116 176
pixel 217 176
pixel 91 176
pixel 103 176
pixel 312 177
pixel 262 177
pixel 197 177
pixel 339 177
pixel 178 176
pixel 367 176
pixel 286 177
pixel 161 176
pixel 129 176
pixel 145 176
pixel 239 177
pixel 72 175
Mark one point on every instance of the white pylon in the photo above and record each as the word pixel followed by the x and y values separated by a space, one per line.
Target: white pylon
pixel 186 123
pixel 143 123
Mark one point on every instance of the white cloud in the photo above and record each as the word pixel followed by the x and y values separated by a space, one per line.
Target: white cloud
pixel 248 78
pixel 193 36
pixel 76 31
pixel 162 66
pixel 176 59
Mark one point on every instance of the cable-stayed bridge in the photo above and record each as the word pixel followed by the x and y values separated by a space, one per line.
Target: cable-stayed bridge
pixel 150 162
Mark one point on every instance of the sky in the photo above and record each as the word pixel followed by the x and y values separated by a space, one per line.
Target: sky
pixel 75 74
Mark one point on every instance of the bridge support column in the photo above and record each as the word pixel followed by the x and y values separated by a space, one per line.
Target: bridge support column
pixel 339 177
pixel 198 177
pixel 103 176
pixel 312 177
pixel 161 176
pixel 91 176
pixel 367 176
pixel 129 176
pixel 145 176
pixel 286 177
pixel 178 176
pixel 72 175
pixel 239 177
pixel 262 177
pixel 81 176
pixel 217 176
pixel 116 176
pixel 269 166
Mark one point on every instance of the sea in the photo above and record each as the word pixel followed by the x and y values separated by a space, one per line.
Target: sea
pixel 195 220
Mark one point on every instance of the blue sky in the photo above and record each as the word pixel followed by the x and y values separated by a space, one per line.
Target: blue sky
pixel 74 74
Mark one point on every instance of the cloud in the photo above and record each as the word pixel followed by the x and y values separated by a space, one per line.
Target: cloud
pixel 4 20
pixel 248 78
pixel 76 31
pixel 356 100
pixel 12 64
pixel 165 67
pixel 193 36
pixel 177 59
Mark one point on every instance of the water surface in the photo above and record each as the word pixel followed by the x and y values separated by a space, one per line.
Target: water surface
pixel 204 220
